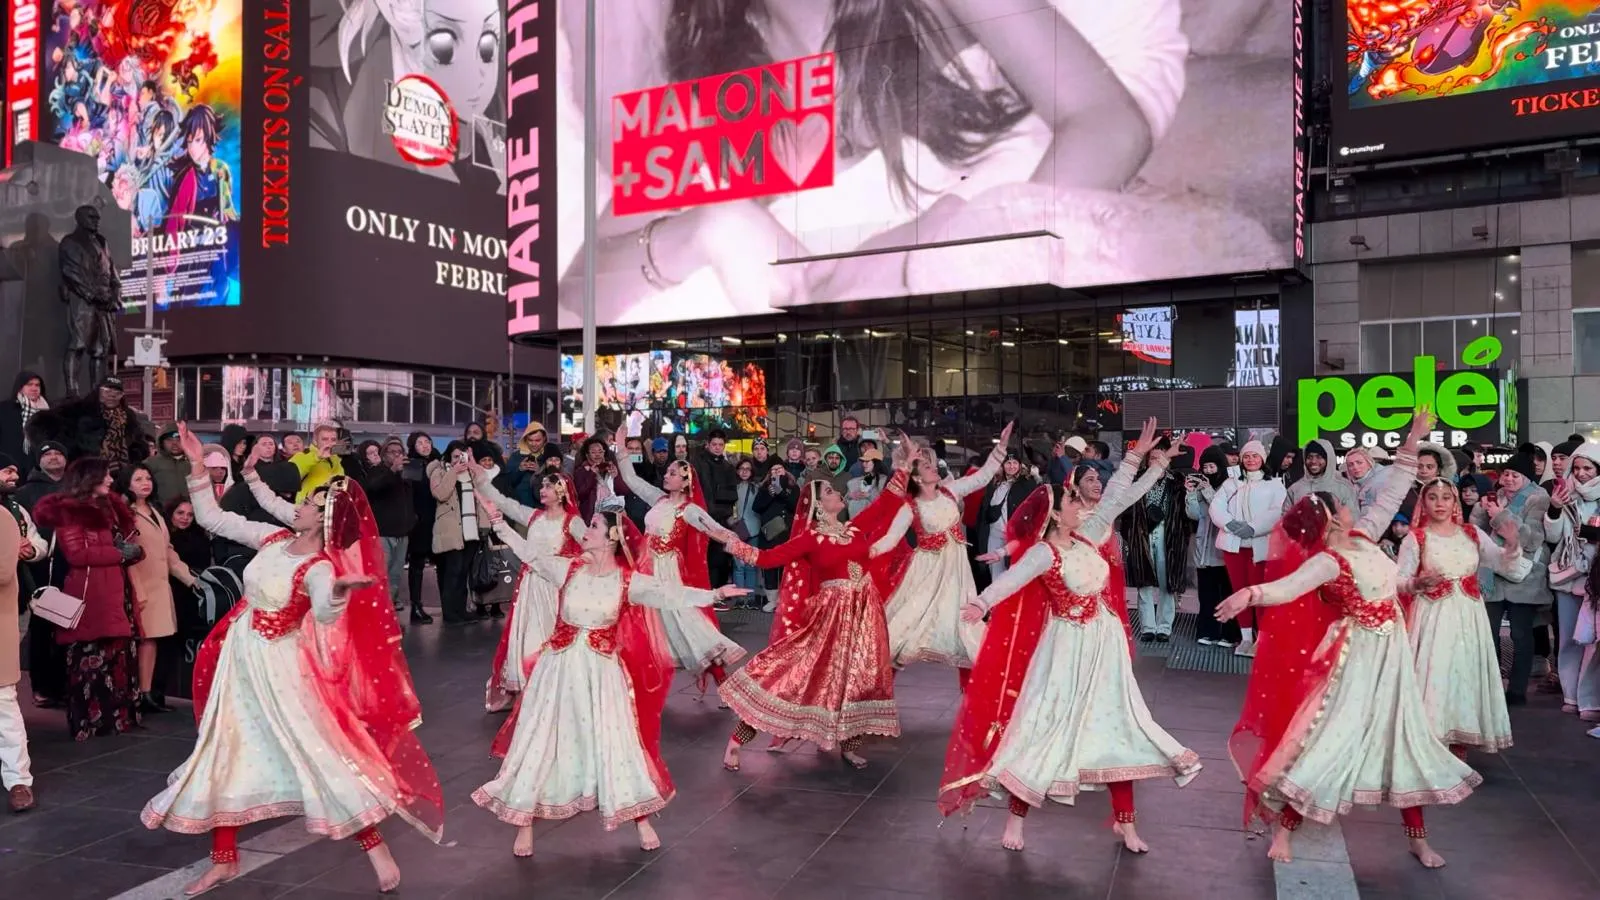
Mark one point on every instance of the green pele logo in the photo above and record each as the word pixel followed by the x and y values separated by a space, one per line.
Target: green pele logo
pixel 1463 401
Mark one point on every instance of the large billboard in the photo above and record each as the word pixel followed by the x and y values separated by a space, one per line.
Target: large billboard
pixel 743 170
pixel 1430 76
pixel 152 92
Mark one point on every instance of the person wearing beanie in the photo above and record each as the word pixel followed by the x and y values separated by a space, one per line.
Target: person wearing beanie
pixel 1245 509
pixel 1211 572
pixel 1281 459
pixel 1517 497
pixel 1573 502
pixel 1559 455
pixel 1318 459
pixel 169 467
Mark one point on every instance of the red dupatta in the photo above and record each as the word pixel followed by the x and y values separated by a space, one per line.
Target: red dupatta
pixel 690 544
pixel 1294 659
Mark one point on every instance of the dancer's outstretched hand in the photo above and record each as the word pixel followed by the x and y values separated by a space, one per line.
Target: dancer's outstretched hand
pixel 1147 437
pixel 344 584
pixel 993 556
pixel 971 612
pixel 731 591
pixel 1236 603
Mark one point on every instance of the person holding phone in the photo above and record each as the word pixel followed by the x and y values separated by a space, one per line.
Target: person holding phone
pixel 1573 504
pixel 321 462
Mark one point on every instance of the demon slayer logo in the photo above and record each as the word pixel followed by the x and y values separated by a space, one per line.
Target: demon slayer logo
pixel 752 133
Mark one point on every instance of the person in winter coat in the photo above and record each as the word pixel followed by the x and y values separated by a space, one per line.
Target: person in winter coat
pixel 998 501
pixel 393 509
pixel 794 459
pixel 1155 545
pixel 1317 461
pixel 535 455
pixel 1281 459
pixel 775 504
pixel 865 487
pixel 1573 502
pixel 1366 475
pixel 1245 510
pixel 419 549
pixel 1517 497
pixel 836 469
pixel 16 414
pixel 1211 573
pixel 16 775
pixel 720 485
pixel 94 530
pixel 456 528
pixel 595 477
pixel 236 442
pixel 101 425
pixel 168 466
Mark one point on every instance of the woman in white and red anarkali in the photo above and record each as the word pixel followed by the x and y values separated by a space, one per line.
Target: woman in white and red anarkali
pixel 1334 717
pixel 926 586
pixel 585 733
pixel 1451 640
pixel 826 676
pixel 303 697
pixel 676 530
pixel 554 529
pixel 1053 708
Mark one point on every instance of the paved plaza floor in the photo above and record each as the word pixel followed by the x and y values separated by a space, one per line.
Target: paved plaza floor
pixel 804 826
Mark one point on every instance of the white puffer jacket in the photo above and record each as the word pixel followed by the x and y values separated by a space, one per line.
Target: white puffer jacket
pixel 1254 500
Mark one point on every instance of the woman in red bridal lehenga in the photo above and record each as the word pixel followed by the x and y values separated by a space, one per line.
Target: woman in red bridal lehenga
pixel 676 530
pixel 303 697
pixel 826 678
pixel 585 733
pixel 1334 716
pixel 554 529
pixel 1053 708
pixel 1454 646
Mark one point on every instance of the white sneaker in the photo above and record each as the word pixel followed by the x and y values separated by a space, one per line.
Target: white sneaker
pixel 1224 643
pixel 1594 733
pixel 1246 648
pixel 1206 642
pixel 771 606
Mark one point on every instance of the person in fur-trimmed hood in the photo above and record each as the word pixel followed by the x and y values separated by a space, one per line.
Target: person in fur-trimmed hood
pixel 1320 477
pixel 1155 545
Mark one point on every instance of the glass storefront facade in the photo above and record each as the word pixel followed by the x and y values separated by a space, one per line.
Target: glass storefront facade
pixel 950 366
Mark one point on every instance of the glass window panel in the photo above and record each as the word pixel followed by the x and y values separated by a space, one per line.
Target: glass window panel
pixel 1039 354
pixel 1438 340
pixel 188 393
pixel 1375 347
pixel 1407 287
pixel 397 403
pixel 1467 331
pixel 1203 343
pixel 1075 354
pixel 1508 282
pixel 948 350
pixel 1586 342
pixel 210 400
pixel 422 398
pixel 984 343
pixel 1405 344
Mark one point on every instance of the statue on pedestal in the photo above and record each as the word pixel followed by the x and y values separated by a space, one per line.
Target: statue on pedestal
pixel 93 294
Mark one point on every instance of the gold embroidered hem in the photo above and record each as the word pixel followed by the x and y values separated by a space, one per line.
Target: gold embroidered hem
pixel 1303 803
pixel 1182 770
pixel 152 819
pixel 824 727
pixel 522 818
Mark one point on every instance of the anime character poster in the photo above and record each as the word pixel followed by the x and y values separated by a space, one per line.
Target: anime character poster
pixel 418 84
pixel 151 90
pixel 1443 75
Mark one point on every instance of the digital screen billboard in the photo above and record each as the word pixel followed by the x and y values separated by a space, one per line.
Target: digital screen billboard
pixel 685 393
pixel 1431 76
pixel 152 91
pixel 1076 144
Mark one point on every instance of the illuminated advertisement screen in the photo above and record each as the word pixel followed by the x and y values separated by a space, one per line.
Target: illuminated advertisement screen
pixel 741 173
pixel 683 392
pixel 1255 348
pixel 152 92
pixel 1431 76
pixel 1147 333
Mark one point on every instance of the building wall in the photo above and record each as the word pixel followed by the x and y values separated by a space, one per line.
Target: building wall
pixel 1545 234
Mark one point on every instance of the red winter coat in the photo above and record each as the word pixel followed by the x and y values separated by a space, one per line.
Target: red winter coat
pixel 85 533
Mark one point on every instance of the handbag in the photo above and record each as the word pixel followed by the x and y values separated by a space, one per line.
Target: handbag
pixel 773 528
pixel 54 605
pixel 1584 631
pixel 493 572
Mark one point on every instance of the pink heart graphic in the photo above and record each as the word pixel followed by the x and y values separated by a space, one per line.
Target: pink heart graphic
pixel 797 147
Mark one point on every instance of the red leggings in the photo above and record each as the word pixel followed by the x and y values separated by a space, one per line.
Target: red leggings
pixel 1411 818
pixel 1121 802
pixel 225 843
pixel 1244 572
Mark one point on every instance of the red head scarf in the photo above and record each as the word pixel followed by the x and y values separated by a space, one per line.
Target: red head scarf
pixel 691 544
pixel 1293 660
